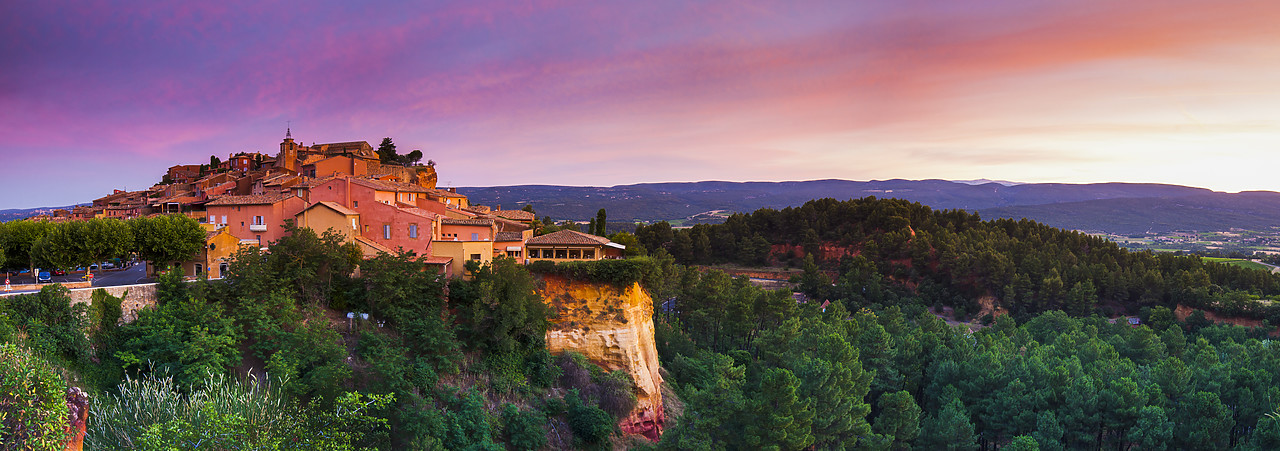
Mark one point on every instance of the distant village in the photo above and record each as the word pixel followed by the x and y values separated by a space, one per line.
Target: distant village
pixel 246 200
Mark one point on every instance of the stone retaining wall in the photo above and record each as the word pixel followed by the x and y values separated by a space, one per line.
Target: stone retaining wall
pixel 133 297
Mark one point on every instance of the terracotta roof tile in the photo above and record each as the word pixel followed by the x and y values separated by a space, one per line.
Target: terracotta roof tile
pixel 335 207
pixel 516 215
pixel 386 185
pixel 508 236
pixel 250 200
pixel 568 237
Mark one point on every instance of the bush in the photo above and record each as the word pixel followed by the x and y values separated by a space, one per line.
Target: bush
pixel 590 424
pixel 33 413
pixel 524 429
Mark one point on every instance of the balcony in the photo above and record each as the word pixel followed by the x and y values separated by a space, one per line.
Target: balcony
pixel 257 227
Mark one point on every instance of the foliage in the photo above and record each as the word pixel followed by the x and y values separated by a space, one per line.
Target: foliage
pixel 618 272
pixel 54 327
pixel 315 268
pixel 19 238
pixel 524 428
pixel 33 412
pixel 187 337
pixel 165 240
pixel 501 314
pixel 156 413
pixel 387 151
pixel 1028 266
pixel 590 424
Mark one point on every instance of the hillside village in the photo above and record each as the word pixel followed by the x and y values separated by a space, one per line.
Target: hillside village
pixel 246 200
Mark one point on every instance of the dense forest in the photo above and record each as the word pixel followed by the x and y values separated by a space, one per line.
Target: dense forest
pixel 268 358
pixel 954 258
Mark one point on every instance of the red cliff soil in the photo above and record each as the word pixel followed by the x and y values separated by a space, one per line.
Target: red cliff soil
pixel 614 329
pixel 1182 312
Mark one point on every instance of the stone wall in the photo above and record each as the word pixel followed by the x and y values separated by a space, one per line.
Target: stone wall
pixel 133 297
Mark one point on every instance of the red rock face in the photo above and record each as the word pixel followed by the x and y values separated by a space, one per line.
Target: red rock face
pixel 78 405
pixel 614 329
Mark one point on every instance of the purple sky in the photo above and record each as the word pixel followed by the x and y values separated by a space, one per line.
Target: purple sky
pixel 99 95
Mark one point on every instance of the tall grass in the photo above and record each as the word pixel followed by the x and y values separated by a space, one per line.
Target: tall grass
pixel 224 414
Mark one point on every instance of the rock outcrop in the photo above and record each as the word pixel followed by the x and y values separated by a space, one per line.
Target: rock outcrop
pixel 613 328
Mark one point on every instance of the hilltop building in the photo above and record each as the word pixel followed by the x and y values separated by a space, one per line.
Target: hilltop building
pixel 247 199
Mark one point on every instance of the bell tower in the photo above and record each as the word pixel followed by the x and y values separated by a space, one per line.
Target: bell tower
pixel 288 157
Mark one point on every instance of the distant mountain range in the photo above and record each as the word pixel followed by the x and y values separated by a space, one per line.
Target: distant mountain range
pixel 1124 208
pixel 22 213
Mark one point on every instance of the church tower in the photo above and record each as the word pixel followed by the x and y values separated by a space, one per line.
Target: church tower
pixel 288 157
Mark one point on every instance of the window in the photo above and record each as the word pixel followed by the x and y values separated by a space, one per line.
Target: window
pixel 355 204
pixel 354 226
pixel 589 254
pixel 475 237
pixel 258 220
pixel 241 223
pixel 199 270
pixel 513 254
pixel 561 253
pixel 533 253
pixel 213 219
pixel 413 230
pixel 222 269
pixel 386 231
pixel 366 228
pixel 475 257
pixel 224 220
pixel 575 253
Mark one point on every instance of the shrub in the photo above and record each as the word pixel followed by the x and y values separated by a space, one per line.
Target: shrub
pixel 33 414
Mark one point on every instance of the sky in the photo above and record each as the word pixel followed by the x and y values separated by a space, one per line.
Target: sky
pixel 101 95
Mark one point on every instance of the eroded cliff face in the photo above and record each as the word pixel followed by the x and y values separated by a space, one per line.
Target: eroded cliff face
pixel 614 329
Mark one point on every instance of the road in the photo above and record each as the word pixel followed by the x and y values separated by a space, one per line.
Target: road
pixel 101 278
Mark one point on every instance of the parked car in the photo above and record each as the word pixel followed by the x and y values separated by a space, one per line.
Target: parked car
pixel 44 277
pixel 108 265
pixel 59 272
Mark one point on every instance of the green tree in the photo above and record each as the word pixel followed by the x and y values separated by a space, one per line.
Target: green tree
pixel 781 420
pixel 63 246
pixel 107 238
pixel 187 337
pixel 950 430
pixel 600 224
pixel 899 418
pixel 167 240
pixel 1203 422
pixel 524 429
pixel 20 236
pixel 387 151
pixel 1153 430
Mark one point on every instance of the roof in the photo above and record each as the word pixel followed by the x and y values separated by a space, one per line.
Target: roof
pixel 373 245
pixel 443 193
pixel 516 215
pixel 335 207
pixel 471 222
pixel 261 199
pixel 438 260
pixel 508 236
pixel 181 198
pixel 387 185
pixel 568 237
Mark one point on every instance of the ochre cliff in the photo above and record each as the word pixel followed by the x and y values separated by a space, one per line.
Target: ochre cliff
pixel 614 329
